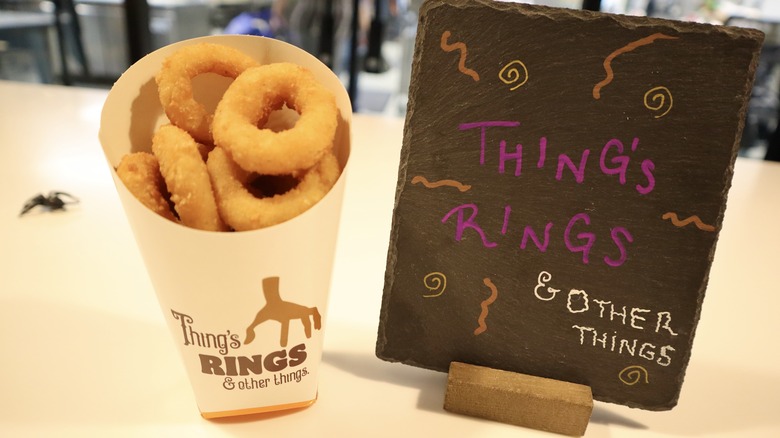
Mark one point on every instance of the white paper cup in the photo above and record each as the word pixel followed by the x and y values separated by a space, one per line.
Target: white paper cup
pixel 216 288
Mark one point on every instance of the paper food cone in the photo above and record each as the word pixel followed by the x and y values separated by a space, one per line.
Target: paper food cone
pixel 246 309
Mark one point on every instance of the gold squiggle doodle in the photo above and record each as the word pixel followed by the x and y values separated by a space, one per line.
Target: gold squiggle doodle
pixel 658 95
pixel 444 182
pixel 681 223
pixel 435 281
pixel 511 74
pixel 631 375
pixel 463 53
pixel 493 296
pixel 627 48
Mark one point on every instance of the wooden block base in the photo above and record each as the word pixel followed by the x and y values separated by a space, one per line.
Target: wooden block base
pixel 519 399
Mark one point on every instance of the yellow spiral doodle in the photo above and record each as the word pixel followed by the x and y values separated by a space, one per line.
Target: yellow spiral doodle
pixel 631 375
pixel 435 282
pixel 510 74
pixel 658 97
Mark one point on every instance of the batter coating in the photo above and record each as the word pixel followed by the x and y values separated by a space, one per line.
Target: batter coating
pixel 187 178
pixel 243 211
pixel 174 83
pixel 249 101
pixel 140 172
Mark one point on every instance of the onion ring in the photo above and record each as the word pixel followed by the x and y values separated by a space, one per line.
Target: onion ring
pixel 247 104
pixel 140 172
pixel 243 211
pixel 174 83
pixel 187 178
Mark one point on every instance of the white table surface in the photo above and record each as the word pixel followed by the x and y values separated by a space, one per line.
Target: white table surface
pixel 85 351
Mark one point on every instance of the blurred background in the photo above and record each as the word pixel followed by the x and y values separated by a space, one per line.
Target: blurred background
pixel 89 43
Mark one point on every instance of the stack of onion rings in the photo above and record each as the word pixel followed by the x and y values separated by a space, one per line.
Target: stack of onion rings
pixel 215 190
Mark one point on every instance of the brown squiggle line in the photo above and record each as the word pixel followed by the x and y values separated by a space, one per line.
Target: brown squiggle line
pixel 627 48
pixel 493 295
pixel 463 52
pixel 681 223
pixel 444 182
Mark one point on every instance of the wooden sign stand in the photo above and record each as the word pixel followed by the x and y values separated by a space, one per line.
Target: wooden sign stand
pixel 518 399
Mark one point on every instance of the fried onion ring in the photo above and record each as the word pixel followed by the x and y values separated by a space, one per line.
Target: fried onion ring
pixel 187 178
pixel 174 83
pixel 140 172
pixel 243 211
pixel 248 102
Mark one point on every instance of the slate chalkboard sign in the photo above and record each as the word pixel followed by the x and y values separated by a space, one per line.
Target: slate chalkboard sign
pixel 562 184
